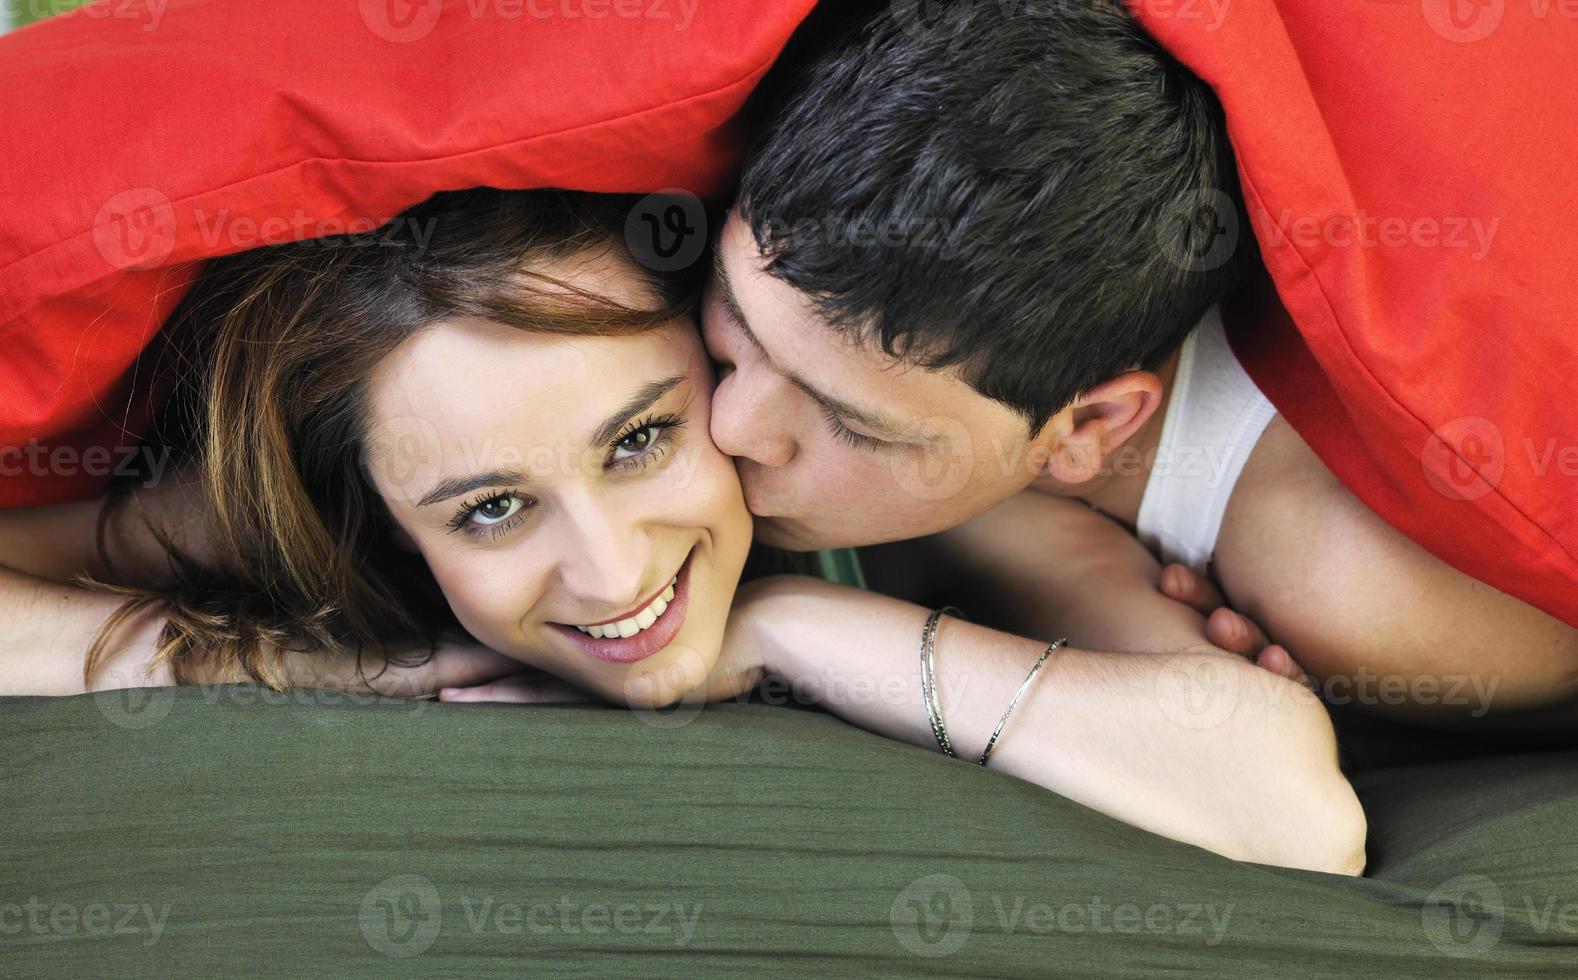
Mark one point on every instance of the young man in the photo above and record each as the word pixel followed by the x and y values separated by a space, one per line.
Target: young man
pixel 982 256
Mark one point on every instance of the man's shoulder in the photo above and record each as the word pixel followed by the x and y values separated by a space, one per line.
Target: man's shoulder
pixel 1288 517
pixel 1324 575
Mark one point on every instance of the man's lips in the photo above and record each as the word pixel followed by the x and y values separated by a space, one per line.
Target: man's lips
pixel 761 504
pixel 626 650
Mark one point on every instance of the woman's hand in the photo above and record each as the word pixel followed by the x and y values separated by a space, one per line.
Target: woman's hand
pixel 462 664
pixel 1225 628
pixel 525 686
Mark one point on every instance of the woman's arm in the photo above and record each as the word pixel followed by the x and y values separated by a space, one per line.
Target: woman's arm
pixel 59 541
pixel 49 624
pixel 48 628
pixel 1187 741
pixel 1197 745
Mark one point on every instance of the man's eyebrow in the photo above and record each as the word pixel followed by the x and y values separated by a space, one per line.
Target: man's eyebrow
pixel 837 406
pixel 732 303
pixel 639 402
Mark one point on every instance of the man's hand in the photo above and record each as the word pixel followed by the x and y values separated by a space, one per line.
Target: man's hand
pixel 1225 628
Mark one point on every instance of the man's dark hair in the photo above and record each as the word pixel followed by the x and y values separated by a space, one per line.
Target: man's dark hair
pixel 1034 191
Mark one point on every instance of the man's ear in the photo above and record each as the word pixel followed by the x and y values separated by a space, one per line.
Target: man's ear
pixel 1098 422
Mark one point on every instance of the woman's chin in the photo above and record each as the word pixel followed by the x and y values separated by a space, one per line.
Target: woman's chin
pixel 664 680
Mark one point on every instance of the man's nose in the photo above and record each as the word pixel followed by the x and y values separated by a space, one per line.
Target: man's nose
pixel 749 420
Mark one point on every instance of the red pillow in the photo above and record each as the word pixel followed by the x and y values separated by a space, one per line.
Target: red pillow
pixel 1412 177
pixel 156 133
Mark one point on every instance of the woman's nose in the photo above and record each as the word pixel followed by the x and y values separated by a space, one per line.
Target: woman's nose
pixel 608 566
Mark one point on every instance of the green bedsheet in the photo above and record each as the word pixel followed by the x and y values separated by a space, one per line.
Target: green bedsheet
pixel 229 831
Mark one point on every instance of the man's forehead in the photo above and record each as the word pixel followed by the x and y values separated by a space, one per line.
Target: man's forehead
pixel 856 380
pixel 777 311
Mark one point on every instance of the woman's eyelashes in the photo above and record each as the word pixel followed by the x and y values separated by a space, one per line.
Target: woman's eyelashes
pixel 638 446
pixel 492 515
pixel 643 443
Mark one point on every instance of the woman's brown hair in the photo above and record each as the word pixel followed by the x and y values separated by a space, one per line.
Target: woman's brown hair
pixel 277 345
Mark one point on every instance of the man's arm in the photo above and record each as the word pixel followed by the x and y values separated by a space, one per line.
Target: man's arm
pixel 1375 618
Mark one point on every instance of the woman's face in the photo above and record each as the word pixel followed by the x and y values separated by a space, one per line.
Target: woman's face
pixel 565 492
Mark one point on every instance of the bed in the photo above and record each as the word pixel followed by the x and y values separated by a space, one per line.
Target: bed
pixel 230 830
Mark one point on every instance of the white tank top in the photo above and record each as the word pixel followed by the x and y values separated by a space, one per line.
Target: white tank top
pixel 1214 418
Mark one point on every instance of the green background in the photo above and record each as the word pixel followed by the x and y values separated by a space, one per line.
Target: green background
pixel 28 11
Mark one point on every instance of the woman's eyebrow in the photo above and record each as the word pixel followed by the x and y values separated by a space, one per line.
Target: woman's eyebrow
pixel 457 485
pixel 638 403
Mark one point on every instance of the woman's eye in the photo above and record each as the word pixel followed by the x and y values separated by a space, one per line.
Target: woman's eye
pixel 646 442
pixel 496 511
pixel 637 442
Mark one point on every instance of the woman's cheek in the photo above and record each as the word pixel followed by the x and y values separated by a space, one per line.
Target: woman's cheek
pixel 488 601
pixel 708 497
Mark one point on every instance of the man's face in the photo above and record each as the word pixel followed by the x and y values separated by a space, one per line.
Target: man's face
pixel 837 444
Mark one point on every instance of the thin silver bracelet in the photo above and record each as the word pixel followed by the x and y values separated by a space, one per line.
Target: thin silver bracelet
pixel 929 678
pixel 1017 695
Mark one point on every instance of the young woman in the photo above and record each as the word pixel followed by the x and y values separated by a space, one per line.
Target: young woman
pixel 476 439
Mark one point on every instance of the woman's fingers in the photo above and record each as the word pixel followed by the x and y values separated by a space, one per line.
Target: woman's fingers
pixel 465 665
pixel 1183 584
pixel 525 688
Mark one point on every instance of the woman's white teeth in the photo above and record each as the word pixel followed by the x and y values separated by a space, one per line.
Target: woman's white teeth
pixel 640 621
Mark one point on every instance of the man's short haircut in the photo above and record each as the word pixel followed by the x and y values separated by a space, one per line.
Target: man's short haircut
pixel 1036 192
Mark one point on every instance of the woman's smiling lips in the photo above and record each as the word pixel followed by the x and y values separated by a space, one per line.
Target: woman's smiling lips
pixel 617 649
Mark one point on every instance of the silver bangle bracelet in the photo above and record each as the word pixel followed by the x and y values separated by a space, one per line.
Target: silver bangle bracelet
pixel 1017 695
pixel 929 678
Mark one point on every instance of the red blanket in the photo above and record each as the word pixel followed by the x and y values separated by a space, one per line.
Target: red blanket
pixel 1411 168
pixel 143 136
